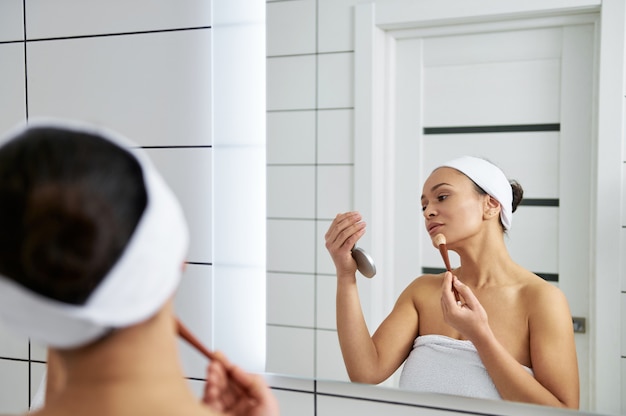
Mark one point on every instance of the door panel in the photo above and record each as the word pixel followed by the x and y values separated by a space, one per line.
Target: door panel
pixel 537 80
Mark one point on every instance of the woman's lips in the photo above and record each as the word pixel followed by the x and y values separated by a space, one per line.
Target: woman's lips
pixel 432 229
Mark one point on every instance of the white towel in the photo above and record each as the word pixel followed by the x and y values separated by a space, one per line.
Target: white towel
pixel 440 364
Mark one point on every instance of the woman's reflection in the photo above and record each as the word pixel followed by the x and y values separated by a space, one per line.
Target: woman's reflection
pixel 508 335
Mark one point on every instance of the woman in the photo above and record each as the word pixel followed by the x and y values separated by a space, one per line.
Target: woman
pixel 92 248
pixel 508 335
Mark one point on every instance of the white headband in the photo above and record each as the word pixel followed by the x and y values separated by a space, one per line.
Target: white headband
pixel 144 277
pixel 491 179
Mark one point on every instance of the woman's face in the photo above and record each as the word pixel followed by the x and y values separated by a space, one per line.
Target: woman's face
pixel 451 205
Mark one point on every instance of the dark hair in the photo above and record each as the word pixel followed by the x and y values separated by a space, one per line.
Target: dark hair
pixel 69 202
pixel 518 193
pixel 516 190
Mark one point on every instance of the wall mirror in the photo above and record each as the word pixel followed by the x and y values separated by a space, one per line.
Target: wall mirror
pixel 522 85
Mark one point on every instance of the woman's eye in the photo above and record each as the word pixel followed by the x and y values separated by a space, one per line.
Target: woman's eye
pixel 423 208
pixel 441 197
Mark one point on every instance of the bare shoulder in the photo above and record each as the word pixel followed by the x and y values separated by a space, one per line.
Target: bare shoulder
pixel 541 296
pixel 424 282
pixel 424 286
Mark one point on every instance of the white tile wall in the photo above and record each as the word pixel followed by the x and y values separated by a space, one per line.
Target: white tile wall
pixel 291 351
pixel 188 171
pixel 289 300
pixel 336 25
pixel 324 262
pixel 334 190
pixel 14 387
pixel 291 83
pixel 623 317
pixel 12 345
pixel 326 302
pixel 330 364
pixel 291 245
pixel 38 352
pixel 12 21
pixel 335 132
pixel 623 295
pixel 335 87
pixel 623 207
pixel 12 85
pixel 291 137
pixel 623 384
pixel 155 87
pixel 57 19
pixel 291 27
pixel 292 190
pixel 623 269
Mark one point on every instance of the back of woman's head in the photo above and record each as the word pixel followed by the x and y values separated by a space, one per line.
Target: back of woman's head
pixel 69 202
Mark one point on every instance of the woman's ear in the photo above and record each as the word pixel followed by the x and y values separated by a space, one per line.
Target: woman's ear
pixel 491 207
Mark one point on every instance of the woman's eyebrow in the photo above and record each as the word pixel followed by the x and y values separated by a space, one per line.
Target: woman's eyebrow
pixel 434 188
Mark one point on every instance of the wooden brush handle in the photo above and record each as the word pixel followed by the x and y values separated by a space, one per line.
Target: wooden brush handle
pixel 193 341
pixel 444 254
pixel 443 249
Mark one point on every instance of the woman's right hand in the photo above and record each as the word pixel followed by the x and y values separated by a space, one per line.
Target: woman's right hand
pixel 345 230
pixel 232 391
pixel 466 315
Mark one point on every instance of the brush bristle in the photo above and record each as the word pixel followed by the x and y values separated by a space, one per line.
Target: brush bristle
pixel 439 239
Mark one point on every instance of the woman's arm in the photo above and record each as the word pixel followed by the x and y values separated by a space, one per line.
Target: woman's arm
pixel 374 359
pixel 552 347
pixel 367 359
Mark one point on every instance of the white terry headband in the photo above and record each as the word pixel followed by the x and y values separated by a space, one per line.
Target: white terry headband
pixel 144 277
pixel 491 179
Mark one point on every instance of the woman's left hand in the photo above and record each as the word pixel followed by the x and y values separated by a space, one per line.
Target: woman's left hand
pixel 466 314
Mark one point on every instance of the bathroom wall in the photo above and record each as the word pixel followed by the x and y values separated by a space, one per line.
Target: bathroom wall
pixel 164 74
pixel 310 110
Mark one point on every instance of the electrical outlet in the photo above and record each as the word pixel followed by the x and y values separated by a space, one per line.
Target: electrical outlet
pixel 580 326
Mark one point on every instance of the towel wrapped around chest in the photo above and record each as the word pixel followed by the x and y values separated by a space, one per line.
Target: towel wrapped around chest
pixel 440 364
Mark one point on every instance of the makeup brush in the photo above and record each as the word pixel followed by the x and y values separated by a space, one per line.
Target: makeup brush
pixel 193 341
pixel 440 242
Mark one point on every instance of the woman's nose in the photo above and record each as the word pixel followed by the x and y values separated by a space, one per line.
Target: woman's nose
pixel 429 212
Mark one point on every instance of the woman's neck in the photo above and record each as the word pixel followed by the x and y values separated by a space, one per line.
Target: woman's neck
pixel 485 261
pixel 131 369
